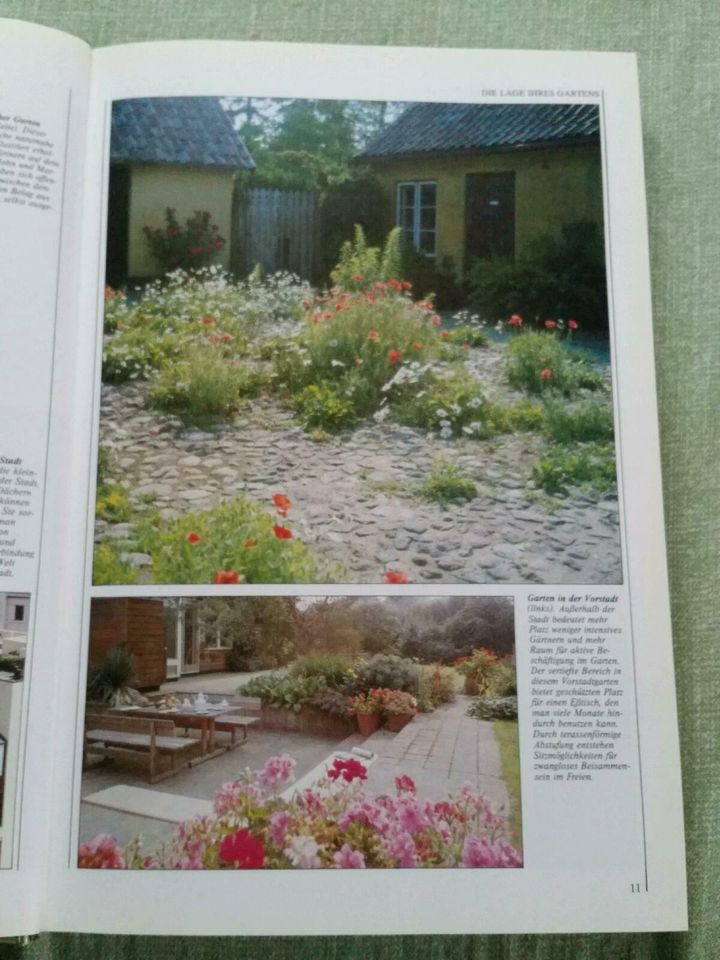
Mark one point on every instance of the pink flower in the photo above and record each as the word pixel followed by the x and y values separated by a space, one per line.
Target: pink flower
pixel 478 852
pixel 279 822
pixel 405 784
pixel 550 324
pixel 572 324
pixel 101 853
pixel 515 320
pixel 348 859
pixel 277 771
pixel 546 373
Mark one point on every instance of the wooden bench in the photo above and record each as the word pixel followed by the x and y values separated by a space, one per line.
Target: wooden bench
pixel 122 736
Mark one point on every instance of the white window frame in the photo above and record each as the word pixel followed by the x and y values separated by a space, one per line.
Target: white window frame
pixel 417 186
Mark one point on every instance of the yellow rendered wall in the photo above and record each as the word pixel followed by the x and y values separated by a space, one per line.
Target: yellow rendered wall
pixel 187 189
pixel 552 187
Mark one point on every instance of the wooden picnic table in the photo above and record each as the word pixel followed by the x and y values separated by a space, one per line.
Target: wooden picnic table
pixel 189 718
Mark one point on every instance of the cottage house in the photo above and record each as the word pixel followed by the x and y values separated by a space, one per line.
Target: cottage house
pixel 180 152
pixel 467 181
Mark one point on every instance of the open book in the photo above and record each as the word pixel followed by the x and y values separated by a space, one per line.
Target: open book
pixel 332 569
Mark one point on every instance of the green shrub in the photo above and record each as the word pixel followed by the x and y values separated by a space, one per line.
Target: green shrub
pixel 233 542
pixel 523 416
pixel 335 669
pixel 387 671
pixel 370 264
pixel 436 685
pixel 290 693
pixel 555 276
pixel 133 353
pixel 14 664
pixel 588 465
pixel 583 422
pixel 539 363
pixel 493 708
pixel 324 407
pixel 454 405
pixel 332 702
pixel 113 504
pixel 203 386
pixel 446 484
pixel 432 278
pixel 109 568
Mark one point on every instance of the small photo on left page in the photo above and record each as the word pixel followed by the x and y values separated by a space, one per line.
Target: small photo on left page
pixel 14 626
pixel 355 342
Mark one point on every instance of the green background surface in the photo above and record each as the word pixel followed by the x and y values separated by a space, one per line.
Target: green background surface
pixel 677 45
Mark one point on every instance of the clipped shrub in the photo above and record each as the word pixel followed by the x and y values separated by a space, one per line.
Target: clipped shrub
pixel 234 542
pixel 387 671
pixel 590 465
pixel 493 708
pixel 446 484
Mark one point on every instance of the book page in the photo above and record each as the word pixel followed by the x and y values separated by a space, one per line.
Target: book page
pixel 369 574
pixel 44 78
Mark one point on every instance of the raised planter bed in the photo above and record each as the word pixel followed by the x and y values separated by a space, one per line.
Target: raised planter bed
pixel 306 720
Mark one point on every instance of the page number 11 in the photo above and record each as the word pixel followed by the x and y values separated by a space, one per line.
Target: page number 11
pixel 635 888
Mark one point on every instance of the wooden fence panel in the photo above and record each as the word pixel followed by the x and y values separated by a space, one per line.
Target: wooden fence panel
pixel 277 229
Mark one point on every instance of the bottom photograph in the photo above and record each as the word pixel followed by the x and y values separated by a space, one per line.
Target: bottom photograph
pixel 300 733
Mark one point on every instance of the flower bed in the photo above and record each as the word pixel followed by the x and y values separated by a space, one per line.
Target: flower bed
pixel 335 824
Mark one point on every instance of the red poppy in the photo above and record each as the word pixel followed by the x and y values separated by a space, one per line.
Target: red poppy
pixel 193 537
pixel 550 324
pixel 358 278
pixel 227 576
pixel 572 324
pixel 546 373
pixel 282 533
pixel 394 356
pixel 445 334
pixel 208 320
pixel 395 576
pixel 515 320
pixel 417 345
pixel 242 850
pixel 249 543
pixel 406 285
pixel 282 503
pixel 225 337
pixel 373 335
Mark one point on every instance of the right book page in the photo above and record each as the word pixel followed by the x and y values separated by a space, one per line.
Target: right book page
pixel 372 566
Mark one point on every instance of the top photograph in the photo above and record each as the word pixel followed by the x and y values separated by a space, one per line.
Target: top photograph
pixel 355 341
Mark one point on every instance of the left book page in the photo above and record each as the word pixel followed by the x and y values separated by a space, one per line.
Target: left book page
pixel 44 79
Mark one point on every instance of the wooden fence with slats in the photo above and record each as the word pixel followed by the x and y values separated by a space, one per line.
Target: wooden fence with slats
pixel 277 229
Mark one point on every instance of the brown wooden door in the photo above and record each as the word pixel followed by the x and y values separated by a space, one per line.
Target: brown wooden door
pixel 489 216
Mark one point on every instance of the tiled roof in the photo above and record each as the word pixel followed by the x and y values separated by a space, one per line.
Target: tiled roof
pixel 193 131
pixel 425 128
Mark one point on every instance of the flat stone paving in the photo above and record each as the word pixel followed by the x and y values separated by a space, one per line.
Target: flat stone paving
pixel 441 751
pixel 355 499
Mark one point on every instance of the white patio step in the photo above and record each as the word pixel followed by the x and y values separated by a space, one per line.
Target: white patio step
pixel 153 804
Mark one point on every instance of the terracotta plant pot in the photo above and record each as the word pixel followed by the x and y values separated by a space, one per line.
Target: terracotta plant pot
pixel 396 721
pixel 471 687
pixel 368 723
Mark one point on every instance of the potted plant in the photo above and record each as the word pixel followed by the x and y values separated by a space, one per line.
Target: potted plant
pixel 110 682
pixel 366 707
pixel 399 708
pixel 480 671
